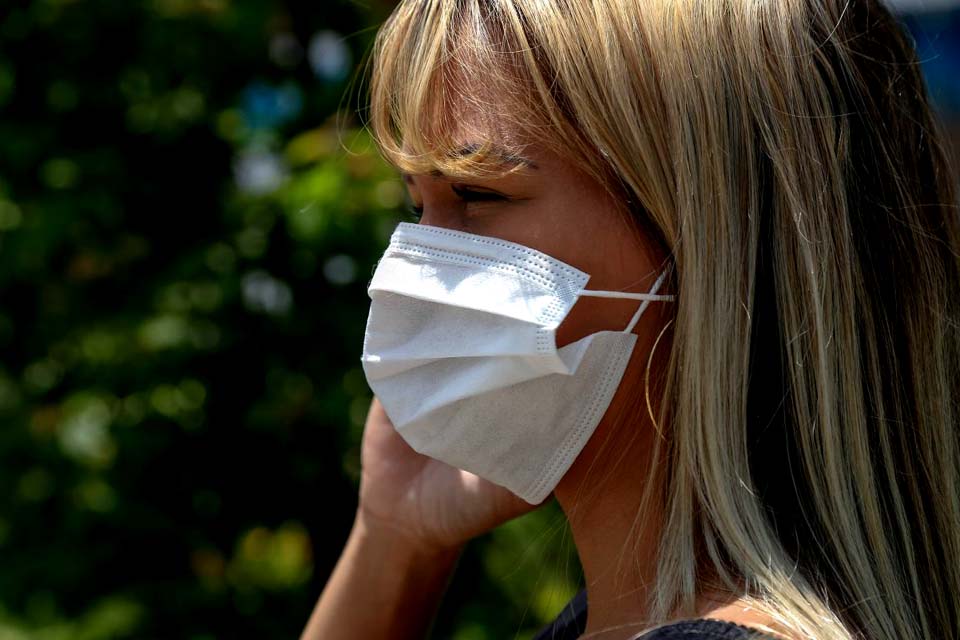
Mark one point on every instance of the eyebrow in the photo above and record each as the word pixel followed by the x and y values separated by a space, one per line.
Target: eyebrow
pixel 499 152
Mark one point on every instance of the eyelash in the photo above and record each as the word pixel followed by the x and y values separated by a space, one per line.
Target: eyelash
pixel 467 195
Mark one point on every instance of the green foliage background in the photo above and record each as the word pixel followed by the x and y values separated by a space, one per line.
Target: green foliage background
pixel 189 214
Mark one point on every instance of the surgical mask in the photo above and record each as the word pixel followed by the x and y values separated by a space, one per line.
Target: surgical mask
pixel 460 348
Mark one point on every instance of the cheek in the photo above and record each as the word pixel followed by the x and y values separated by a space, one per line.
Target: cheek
pixel 617 262
pixel 576 221
pixel 590 315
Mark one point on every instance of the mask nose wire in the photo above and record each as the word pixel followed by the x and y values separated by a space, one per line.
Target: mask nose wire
pixel 646 297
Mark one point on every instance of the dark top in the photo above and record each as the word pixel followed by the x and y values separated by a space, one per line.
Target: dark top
pixel 572 622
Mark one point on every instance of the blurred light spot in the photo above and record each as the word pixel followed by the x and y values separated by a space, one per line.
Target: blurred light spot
pixel 187 103
pixel 295 388
pixel 100 346
pixel 251 242
pixel 133 409
pixel 88 266
pixel 174 297
pixel 206 296
pixel 143 117
pixel 550 596
pixel 388 194
pixel 9 393
pixel 267 107
pixel 192 394
pixel 83 433
pixel 42 375
pixel 133 247
pixel 230 125
pixel 59 173
pixel 96 495
pixel 280 559
pixel 359 406
pixel 262 218
pixel 110 617
pixel 62 95
pixel 350 458
pixel 254 543
pixel 340 269
pixel 166 400
pixel 184 296
pixel 44 421
pixel 10 215
pixel 41 606
pixel 258 172
pixel 472 631
pixel 35 485
pixel 285 50
pixel 310 198
pixel 329 56
pixel 209 566
pixel 311 146
pixel 361 165
pixel 307 223
pixel 163 332
pixel 265 294
pixel 221 258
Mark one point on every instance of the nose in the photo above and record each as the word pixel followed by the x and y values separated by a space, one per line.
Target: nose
pixel 442 215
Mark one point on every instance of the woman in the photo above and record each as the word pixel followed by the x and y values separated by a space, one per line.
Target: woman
pixel 762 440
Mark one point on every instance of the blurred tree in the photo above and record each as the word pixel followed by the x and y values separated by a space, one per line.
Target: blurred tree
pixel 189 215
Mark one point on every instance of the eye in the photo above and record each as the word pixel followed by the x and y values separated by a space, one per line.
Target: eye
pixel 473 195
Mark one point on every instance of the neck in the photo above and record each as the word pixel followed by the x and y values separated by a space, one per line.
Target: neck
pixel 616 535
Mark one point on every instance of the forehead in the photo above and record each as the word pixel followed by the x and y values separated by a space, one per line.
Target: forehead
pixel 484 106
pixel 444 88
pixel 474 125
pixel 475 114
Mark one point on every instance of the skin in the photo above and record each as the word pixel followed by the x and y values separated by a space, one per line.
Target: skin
pixel 415 513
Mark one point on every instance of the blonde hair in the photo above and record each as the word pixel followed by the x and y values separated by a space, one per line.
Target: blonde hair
pixel 785 154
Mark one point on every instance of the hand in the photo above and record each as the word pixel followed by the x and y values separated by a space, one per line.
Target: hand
pixel 437 506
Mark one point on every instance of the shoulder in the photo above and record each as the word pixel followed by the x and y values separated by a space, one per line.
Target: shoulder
pixel 703 629
pixel 571 623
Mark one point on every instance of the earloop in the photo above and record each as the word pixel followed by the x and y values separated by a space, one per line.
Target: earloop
pixel 646 381
pixel 646 297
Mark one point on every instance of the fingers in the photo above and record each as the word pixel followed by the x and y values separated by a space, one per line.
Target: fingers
pixel 376 412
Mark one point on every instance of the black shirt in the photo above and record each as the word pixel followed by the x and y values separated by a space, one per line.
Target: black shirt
pixel 572 621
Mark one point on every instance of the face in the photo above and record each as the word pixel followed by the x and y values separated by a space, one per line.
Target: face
pixel 555 208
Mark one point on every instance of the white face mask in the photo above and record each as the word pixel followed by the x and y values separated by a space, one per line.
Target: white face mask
pixel 460 348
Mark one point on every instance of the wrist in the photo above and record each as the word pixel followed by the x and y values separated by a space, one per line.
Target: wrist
pixel 385 585
pixel 374 531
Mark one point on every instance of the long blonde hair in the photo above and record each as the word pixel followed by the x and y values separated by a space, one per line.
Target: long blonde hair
pixel 785 154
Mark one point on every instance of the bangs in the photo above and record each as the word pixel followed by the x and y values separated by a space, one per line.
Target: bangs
pixel 455 89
